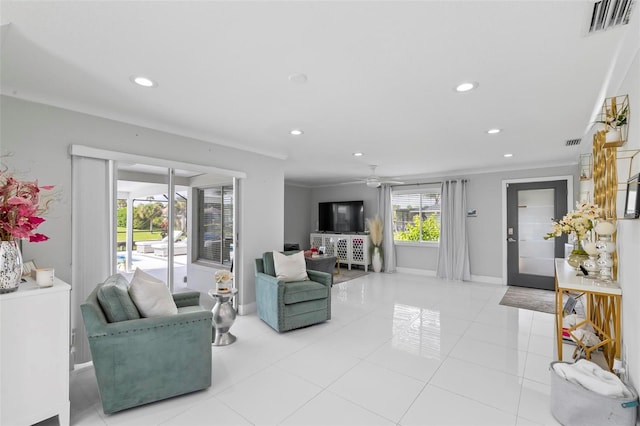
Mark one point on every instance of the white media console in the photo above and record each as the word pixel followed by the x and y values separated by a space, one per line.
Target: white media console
pixel 351 249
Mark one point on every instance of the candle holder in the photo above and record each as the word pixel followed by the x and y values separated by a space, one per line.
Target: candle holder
pixel 606 247
pixel 591 264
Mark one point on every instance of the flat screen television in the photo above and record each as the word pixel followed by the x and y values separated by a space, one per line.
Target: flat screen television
pixel 341 216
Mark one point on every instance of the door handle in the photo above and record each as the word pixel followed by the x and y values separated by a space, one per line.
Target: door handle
pixel 511 240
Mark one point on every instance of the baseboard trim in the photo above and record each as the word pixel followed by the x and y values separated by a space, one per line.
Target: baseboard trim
pixel 247 309
pixel 487 279
pixel 415 271
pixel 430 273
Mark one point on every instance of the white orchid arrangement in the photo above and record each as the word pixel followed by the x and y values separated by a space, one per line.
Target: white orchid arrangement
pixel 222 276
pixel 579 221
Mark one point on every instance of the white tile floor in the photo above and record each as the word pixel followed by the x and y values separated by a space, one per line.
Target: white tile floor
pixel 399 350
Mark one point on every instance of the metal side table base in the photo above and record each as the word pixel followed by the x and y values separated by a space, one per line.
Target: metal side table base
pixel 223 317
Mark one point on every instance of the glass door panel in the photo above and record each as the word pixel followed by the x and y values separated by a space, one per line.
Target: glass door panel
pixel 530 208
pixel 535 210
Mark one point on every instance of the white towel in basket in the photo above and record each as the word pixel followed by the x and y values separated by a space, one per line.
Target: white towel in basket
pixel 590 376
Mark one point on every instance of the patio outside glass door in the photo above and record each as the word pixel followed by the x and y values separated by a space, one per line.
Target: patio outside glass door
pixel 151 225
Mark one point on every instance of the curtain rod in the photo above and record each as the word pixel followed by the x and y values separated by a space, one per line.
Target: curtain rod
pixel 426 183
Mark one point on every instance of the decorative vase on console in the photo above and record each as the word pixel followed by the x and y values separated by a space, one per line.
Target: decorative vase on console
pixel 578 223
pixel 578 254
pixel 21 205
pixel 10 266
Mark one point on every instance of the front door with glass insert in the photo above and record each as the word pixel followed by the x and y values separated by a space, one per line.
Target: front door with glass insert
pixel 530 208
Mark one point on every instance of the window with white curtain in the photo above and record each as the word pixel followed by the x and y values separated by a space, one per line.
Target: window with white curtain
pixel 416 214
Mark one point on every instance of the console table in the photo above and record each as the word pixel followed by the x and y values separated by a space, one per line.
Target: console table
pixel 602 310
pixel 34 363
pixel 352 249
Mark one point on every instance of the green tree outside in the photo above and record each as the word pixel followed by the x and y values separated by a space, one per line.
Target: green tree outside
pixel 430 230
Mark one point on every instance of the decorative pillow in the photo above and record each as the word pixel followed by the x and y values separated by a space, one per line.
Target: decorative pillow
pixel 113 296
pixel 290 268
pixel 151 296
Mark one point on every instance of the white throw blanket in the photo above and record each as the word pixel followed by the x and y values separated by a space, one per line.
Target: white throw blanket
pixel 590 376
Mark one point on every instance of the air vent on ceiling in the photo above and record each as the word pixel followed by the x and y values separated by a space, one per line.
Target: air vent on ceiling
pixel 610 14
pixel 573 142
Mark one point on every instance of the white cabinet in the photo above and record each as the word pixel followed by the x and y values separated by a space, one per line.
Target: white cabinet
pixel 34 354
pixel 351 249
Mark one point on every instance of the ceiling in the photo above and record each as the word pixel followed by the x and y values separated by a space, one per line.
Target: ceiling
pixel 380 77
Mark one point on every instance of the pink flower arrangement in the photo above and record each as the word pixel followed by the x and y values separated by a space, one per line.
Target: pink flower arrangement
pixel 21 208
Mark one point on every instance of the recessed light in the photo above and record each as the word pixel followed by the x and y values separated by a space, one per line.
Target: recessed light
pixel 296 132
pixel 143 81
pixel 494 131
pixel 467 86
pixel 508 155
pixel 358 154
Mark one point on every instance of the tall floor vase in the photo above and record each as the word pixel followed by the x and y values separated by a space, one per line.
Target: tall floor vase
pixel 376 259
pixel 10 266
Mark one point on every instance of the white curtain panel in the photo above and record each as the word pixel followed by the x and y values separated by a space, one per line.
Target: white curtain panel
pixel 91 250
pixel 385 210
pixel 453 254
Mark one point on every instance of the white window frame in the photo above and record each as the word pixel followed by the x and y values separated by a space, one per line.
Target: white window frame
pixel 198 212
pixel 417 190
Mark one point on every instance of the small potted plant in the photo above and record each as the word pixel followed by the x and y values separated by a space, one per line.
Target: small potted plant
pixel 223 281
pixel 614 122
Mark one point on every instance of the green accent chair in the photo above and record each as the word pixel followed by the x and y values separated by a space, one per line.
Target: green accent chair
pixel 138 361
pixel 290 305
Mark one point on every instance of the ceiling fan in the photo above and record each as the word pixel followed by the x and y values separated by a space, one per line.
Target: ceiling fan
pixel 374 181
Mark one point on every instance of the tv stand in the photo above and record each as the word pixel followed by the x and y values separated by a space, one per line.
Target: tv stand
pixel 351 249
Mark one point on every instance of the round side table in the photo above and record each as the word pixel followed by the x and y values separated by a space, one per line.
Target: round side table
pixel 223 316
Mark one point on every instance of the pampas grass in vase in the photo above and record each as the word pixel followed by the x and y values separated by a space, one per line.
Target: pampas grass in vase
pixel 375 234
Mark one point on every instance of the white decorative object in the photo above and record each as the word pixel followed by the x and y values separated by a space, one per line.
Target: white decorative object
pixel 376 259
pixel 45 277
pixel 223 280
pixel 34 360
pixel 606 247
pixel 613 136
pixel 375 234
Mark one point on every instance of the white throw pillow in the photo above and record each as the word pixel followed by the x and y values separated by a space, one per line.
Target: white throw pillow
pixel 151 296
pixel 290 268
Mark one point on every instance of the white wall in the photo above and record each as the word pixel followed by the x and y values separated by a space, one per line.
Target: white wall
pixel 485 230
pixel 38 137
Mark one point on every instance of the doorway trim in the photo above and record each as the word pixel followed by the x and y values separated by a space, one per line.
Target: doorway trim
pixel 568 178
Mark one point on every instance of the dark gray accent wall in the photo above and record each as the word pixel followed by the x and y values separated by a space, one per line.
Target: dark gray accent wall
pixel 297 215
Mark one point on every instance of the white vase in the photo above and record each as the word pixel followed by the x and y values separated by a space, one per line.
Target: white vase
pixel 376 259
pixel 10 266
pixel 613 135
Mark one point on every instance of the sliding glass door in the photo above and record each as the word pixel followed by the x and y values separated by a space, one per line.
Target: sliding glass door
pixel 152 225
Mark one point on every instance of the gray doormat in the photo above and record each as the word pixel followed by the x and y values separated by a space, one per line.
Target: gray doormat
pixel 532 299
pixel 346 275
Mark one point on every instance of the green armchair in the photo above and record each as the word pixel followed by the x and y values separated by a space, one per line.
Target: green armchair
pixel 138 361
pixel 288 305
